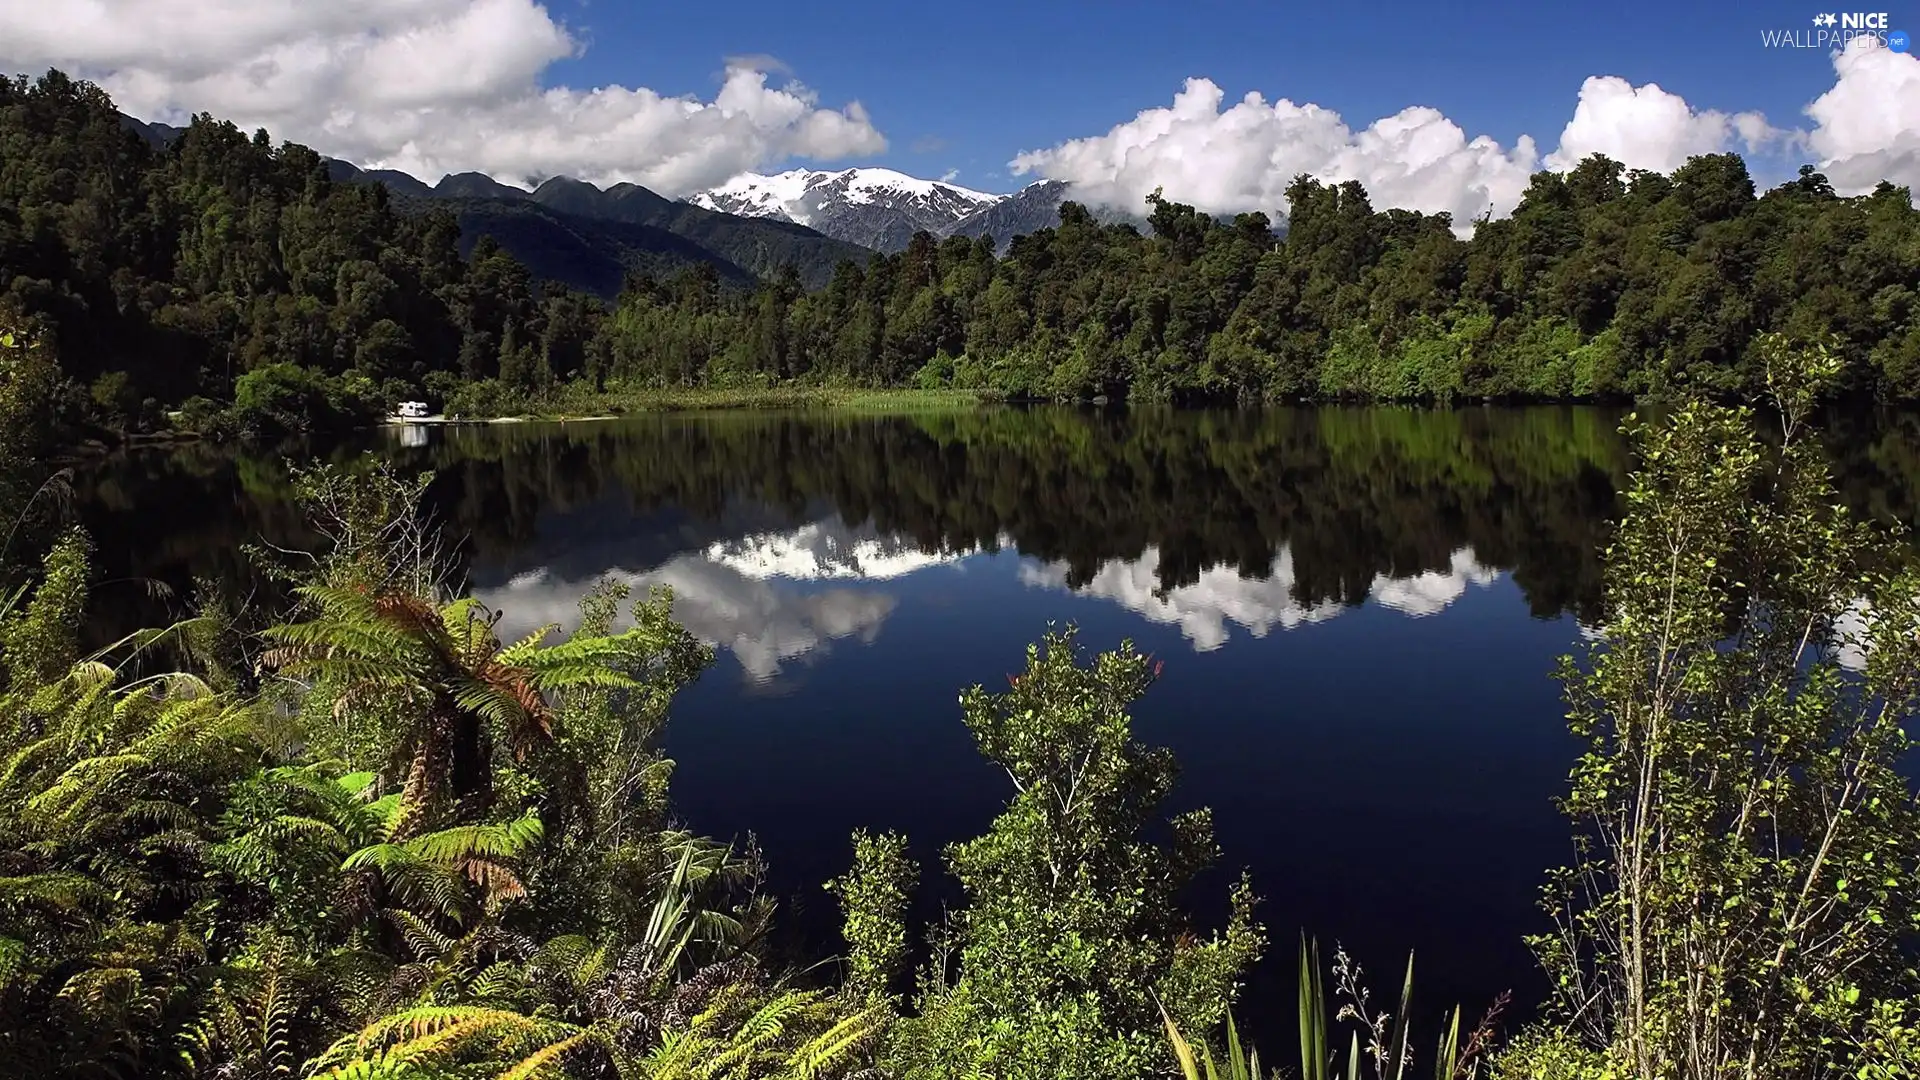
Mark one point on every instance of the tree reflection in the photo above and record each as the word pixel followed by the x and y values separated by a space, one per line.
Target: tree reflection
pixel 1343 498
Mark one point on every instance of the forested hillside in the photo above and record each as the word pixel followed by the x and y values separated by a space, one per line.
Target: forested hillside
pixel 225 268
pixel 624 227
pixel 237 278
pixel 1604 282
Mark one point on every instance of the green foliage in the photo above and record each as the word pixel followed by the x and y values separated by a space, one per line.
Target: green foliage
pixel 1748 843
pixel 39 641
pixel 227 268
pixel 284 399
pixel 1073 934
pixel 1603 287
pixel 29 391
pixel 186 890
pixel 873 899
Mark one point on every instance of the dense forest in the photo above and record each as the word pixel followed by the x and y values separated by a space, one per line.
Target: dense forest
pixel 234 279
pixel 1603 283
pixel 225 270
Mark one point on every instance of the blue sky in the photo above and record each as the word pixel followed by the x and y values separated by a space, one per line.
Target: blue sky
pixel 990 78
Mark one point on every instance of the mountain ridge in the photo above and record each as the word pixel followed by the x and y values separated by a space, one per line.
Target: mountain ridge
pixel 870 206
pixel 576 234
pixel 752 225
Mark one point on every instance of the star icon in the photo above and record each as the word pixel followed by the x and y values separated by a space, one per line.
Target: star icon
pixel 1829 19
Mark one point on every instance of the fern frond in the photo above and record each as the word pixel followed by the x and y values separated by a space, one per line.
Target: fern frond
pixel 528 646
pixel 546 1060
pixel 13 957
pixel 462 842
pixel 425 942
pixel 833 1046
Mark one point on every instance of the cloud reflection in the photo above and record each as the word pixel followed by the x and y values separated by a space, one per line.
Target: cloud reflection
pixel 829 549
pixel 740 595
pixel 1203 609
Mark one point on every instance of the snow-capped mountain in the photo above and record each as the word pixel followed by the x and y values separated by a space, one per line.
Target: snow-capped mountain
pixel 876 208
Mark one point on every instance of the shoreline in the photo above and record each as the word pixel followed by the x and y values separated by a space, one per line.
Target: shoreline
pixel 615 406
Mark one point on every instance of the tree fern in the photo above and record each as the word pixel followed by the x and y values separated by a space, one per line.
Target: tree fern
pixel 463 683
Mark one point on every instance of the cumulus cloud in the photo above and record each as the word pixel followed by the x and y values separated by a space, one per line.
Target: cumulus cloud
pixel 1649 128
pixel 829 548
pixel 1867 127
pixel 426 86
pixel 1243 157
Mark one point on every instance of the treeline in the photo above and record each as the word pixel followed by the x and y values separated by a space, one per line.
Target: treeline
pixel 224 270
pixel 232 277
pixel 1605 282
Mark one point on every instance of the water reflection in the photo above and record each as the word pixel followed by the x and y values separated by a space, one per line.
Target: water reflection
pixel 829 549
pixel 754 597
pixel 1207 521
pixel 759 622
pixel 1257 604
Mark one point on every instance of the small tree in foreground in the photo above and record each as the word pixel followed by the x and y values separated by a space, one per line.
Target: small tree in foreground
pixel 1745 896
pixel 1073 935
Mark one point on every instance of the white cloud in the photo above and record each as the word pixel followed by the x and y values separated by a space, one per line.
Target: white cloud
pixel 1867 128
pixel 829 548
pixel 1244 156
pixel 1649 128
pixel 1851 635
pixel 1431 592
pixel 427 86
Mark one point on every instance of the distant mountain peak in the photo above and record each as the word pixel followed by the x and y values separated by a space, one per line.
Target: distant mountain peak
pixel 873 207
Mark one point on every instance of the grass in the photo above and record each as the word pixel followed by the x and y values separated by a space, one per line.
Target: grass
pixel 626 402
pixel 1386 1053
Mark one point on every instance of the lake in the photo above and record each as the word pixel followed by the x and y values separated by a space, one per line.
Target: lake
pixel 1359 610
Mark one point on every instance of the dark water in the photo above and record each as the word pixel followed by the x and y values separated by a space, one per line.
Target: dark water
pixel 1359 610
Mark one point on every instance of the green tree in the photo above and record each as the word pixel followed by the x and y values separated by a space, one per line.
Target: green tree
pixel 1749 844
pixel 1073 936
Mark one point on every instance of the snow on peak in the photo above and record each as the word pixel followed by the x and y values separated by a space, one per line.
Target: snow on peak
pixel 755 195
pixel 869 182
pixel 799 195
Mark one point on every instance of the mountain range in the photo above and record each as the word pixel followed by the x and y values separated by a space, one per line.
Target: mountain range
pixel 876 208
pixel 882 209
pixel 588 237
pixel 591 238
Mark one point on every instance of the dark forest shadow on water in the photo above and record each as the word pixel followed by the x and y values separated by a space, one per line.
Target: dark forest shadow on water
pixel 1359 610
